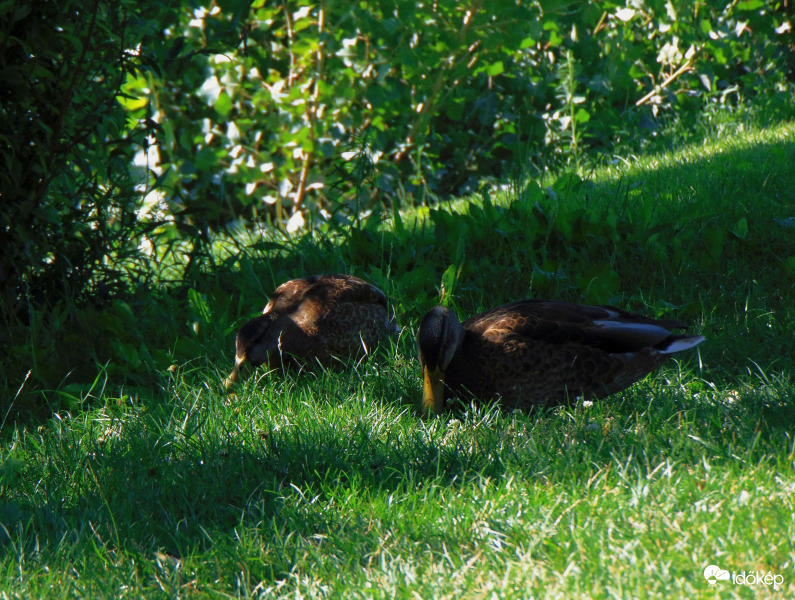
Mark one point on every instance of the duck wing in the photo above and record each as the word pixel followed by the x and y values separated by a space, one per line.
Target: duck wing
pixel 323 291
pixel 606 328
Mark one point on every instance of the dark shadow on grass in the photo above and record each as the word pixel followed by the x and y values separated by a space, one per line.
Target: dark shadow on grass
pixel 144 489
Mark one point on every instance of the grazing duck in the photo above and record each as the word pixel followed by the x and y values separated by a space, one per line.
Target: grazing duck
pixel 540 352
pixel 314 318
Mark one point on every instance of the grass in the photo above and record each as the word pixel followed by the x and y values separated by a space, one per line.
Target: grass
pixel 328 484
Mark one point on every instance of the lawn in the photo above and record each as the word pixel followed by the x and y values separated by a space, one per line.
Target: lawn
pixel 329 484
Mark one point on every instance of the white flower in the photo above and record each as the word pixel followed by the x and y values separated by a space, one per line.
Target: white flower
pixel 232 132
pixel 295 222
pixel 301 13
pixel 276 90
pixel 146 246
pixel 669 53
pixel 740 27
pixel 625 14
pixel 210 90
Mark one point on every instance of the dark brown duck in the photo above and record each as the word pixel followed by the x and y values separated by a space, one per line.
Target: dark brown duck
pixel 314 318
pixel 541 352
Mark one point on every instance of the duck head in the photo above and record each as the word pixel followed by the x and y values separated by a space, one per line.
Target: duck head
pixel 257 342
pixel 438 338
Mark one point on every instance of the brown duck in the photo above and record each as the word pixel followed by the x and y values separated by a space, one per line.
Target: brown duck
pixel 540 352
pixel 314 318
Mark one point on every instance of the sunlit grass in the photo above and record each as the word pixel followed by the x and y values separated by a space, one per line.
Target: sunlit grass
pixel 332 486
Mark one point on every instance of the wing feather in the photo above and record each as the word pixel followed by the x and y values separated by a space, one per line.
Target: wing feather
pixel 604 327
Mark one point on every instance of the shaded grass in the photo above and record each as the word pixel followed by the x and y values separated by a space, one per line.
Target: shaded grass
pixel 327 484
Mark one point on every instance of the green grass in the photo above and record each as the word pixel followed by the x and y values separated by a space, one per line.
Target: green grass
pixel 328 484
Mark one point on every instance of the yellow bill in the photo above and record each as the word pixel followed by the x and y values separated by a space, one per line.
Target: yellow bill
pixel 235 374
pixel 432 390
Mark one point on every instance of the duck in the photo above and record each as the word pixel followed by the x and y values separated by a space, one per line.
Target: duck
pixel 319 318
pixel 541 352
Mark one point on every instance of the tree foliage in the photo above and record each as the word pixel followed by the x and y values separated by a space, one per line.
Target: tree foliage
pixel 283 110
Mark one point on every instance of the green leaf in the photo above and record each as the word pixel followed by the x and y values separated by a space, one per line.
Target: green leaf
pixel 187 349
pixel 741 228
pixel 223 106
pixel 567 181
pixel 713 239
pixel 582 116
pixel 48 213
pixel 554 39
pixel 448 284
pixel 206 159
pixel 187 168
pixel 750 4
pixel 719 54
pixel 455 111
pixel 789 266
pixel 551 25
pixel 198 305
pixel 266 246
pixel 132 103
pixel 126 353
pixel 600 283
pixel 495 69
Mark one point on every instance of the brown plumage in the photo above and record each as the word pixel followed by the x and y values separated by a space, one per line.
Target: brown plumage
pixel 539 352
pixel 314 319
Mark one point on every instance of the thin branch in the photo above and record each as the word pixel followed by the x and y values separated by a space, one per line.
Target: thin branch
pixel 67 100
pixel 311 110
pixel 424 115
pixel 687 66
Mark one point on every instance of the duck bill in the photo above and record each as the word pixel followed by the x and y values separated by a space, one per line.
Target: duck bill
pixel 432 390
pixel 234 376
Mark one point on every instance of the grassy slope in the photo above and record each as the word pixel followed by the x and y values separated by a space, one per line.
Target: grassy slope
pixel 327 484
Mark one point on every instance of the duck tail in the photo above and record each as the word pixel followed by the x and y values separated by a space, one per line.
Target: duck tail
pixel 679 344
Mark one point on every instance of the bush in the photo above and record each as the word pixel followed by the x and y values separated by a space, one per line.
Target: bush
pixel 70 205
pixel 283 112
